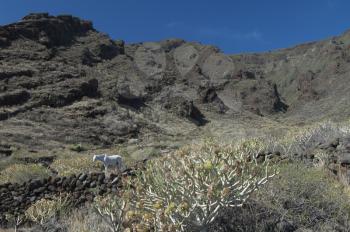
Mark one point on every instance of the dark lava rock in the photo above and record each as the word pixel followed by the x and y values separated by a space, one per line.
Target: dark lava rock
pixel 5 151
pixel 344 159
pixel 86 184
pixel 60 72
pixel 14 98
pixel 93 184
pixel 285 226
pixel 185 108
pixel 171 44
pixel 52 188
pixel 34 184
pixel 39 190
pixel 7 74
pixel 48 30
pixel 82 176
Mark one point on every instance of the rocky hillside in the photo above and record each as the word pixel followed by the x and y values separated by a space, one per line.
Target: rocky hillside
pixel 62 82
pixel 311 78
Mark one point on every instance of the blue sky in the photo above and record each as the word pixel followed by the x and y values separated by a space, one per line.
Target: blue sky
pixel 235 26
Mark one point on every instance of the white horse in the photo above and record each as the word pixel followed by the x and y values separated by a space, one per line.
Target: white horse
pixel 110 161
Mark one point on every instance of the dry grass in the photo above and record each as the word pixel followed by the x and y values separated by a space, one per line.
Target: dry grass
pixel 45 209
pixel 66 166
pixel 85 220
pixel 309 197
pixel 300 139
pixel 23 172
pixel 7 230
pixel 306 196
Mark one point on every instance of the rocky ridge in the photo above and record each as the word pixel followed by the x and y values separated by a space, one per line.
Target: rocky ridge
pixel 63 82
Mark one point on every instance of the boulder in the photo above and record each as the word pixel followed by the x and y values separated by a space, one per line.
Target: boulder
pixel 82 177
pixel 93 184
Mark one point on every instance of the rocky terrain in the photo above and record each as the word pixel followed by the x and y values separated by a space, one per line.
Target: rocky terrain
pixel 63 82
pixel 15 198
pixel 65 85
pixel 84 187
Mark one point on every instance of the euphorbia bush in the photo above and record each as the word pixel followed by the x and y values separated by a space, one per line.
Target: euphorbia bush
pixel 188 189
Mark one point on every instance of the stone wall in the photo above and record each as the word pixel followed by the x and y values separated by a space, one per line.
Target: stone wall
pixel 15 198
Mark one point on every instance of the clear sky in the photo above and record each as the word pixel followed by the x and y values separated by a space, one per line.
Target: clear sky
pixel 235 26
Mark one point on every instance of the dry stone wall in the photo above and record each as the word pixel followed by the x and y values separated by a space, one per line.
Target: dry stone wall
pixel 15 198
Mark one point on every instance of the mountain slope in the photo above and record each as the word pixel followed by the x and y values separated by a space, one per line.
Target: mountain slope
pixel 62 82
pixel 311 78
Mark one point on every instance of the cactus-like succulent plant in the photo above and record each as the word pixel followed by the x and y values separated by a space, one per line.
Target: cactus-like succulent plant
pixel 187 190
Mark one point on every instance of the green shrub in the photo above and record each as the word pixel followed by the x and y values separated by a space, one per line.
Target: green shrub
pixel 308 197
pixel 77 148
pixel 23 172
pixel 187 190
pixel 301 139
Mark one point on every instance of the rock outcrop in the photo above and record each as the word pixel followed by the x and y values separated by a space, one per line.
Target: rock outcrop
pixel 45 29
pixel 68 84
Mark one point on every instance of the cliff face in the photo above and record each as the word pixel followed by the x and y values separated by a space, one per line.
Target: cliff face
pixel 311 78
pixel 62 82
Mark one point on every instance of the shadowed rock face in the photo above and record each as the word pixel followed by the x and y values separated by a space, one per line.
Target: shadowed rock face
pixel 61 81
pixel 14 98
pixel 46 29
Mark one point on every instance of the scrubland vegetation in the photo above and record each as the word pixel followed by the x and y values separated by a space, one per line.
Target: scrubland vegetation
pixel 23 172
pixel 75 164
pixel 209 186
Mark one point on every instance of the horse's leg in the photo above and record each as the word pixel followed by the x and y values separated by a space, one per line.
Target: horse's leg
pixel 106 170
pixel 117 171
